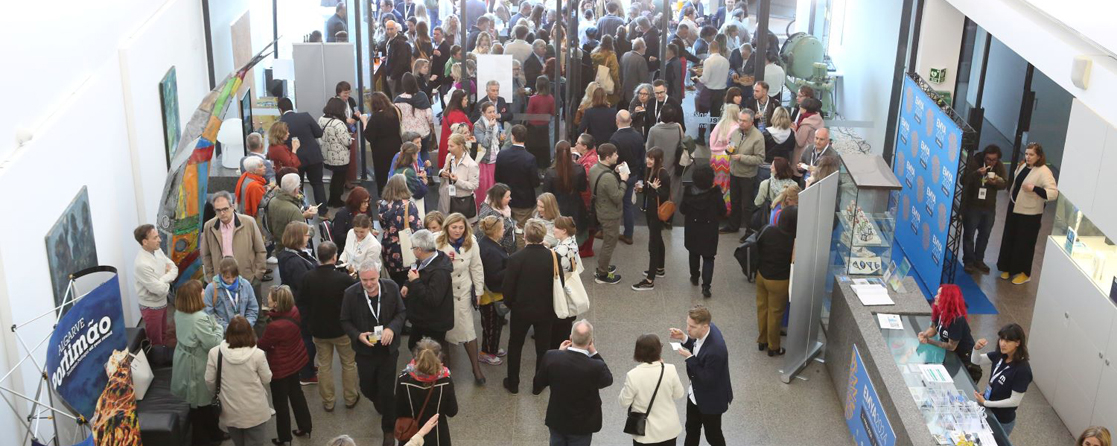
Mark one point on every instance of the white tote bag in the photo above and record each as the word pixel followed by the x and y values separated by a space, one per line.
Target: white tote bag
pixel 569 300
pixel 406 254
pixel 604 79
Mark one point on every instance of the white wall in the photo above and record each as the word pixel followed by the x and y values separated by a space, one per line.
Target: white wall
pixel 866 54
pixel 86 70
pixel 940 37
pixel 1092 19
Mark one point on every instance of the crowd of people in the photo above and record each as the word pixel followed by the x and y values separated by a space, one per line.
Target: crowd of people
pixel 515 214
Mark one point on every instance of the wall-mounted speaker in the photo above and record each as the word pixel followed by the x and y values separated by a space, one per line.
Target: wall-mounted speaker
pixel 1080 71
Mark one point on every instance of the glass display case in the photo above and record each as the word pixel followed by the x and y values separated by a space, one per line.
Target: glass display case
pixel 868 192
pixel 1093 252
pixel 941 388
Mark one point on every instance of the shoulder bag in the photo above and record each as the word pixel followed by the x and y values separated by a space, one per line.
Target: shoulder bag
pixel 559 296
pixel 405 237
pixel 216 404
pixel 762 214
pixel 603 78
pixel 407 427
pixel 637 422
pixel 575 300
pixel 592 211
pixel 665 209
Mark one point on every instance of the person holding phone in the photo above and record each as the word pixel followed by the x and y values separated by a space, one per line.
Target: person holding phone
pixel 979 206
pixel 1009 376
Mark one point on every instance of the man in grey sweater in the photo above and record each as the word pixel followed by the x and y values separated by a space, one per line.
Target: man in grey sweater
pixel 607 185
pixel 747 144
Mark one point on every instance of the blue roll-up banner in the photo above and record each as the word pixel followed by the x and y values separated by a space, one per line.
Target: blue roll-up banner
pixel 83 341
pixel 928 147
pixel 865 417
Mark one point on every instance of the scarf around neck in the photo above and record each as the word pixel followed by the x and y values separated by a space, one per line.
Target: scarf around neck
pixel 412 370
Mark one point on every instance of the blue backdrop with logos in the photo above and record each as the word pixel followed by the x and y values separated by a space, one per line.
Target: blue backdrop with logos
pixel 864 415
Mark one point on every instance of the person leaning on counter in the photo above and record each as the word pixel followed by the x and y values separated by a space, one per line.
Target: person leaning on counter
pixel 1009 377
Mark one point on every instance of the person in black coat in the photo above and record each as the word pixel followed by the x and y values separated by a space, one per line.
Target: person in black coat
pixel 703 206
pixel 775 246
pixel 399 57
pixel 376 358
pixel 663 100
pixel 429 291
pixel 324 291
pixel 336 23
pixel 517 168
pixel 656 189
pixel 529 294
pixel 566 179
pixel 294 263
pixel 707 366
pixel 494 260
pixel 576 374
pixel 426 375
pixel 300 125
pixel 534 64
pixel 600 120
pixel 630 147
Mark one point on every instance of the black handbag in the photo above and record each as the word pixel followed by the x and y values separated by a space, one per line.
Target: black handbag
pixel 216 404
pixel 637 422
pixel 464 205
pixel 762 214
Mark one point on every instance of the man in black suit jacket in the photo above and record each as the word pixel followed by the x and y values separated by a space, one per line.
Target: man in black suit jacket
pixel 534 64
pixel 630 146
pixel 336 23
pixel 321 304
pixel 516 167
pixel 663 100
pixel 399 56
pixel 762 104
pixel 707 366
pixel 576 373
pixel 492 95
pixel 300 125
pixel 528 293
pixel 651 39
pixel 368 307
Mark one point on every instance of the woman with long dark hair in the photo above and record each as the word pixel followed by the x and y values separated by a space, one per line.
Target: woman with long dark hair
pixel 703 206
pixel 497 204
pixel 382 131
pixel 415 114
pixel 358 202
pixel 423 47
pixel 948 320
pixel 656 187
pixel 566 180
pixel 335 147
pixel 397 213
pixel 1009 375
pixel 407 164
pixel 538 137
pixel 454 114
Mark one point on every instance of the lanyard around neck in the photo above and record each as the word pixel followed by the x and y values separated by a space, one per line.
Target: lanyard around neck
pixel 368 300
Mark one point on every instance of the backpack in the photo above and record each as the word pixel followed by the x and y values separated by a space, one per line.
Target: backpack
pixel 748 255
pixel 262 219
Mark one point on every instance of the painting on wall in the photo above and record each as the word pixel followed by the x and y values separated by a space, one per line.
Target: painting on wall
pixel 70 245
pixel 168 99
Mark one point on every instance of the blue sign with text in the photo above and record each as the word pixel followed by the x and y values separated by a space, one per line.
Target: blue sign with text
pixel 865 416
pixel 928 148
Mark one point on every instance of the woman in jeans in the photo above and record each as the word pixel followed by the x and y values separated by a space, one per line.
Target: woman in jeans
pixel 425 375
pixel 282 343
pixel 244 371
pixel 773 280
pixel 640 383
pixel 657 189
pixel 197 332
pixel 493 259
pixel 702 206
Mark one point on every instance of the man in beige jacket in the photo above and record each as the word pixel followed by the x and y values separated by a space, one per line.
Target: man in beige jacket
pixel 747 145
pixel 233 235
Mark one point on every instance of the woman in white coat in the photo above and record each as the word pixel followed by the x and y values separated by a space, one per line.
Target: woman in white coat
pixel 468 279
pixel 360 243
pixel 459 178
pixel 244 373
pixel 663 425
pixel 1033 185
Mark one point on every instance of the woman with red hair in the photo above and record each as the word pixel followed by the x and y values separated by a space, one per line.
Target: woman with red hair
pixel 948 319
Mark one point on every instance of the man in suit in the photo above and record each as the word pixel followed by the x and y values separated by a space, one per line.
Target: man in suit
pixel 651 39
pixel 607 25
pixel 320 307
pixel 673 73
pixel 630 147
pixel 523 13
pixel 664 100
pixel 372 315
pixel 336 23
pixel 576 373
pixel 399 57
pixel 492 95
pixel 682 33
pixel 822 147
pixel 388 12
pixel 533 66
pixel 405 9
pixel 742 66
pixel 634 70
pixel 516 167
pixel 707 366
pixel 528 293
pixel 519 48
pixel 719 17
pixel 762 105
pixel 300 125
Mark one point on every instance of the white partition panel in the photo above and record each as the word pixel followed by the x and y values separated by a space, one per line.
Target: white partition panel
pixel 318 69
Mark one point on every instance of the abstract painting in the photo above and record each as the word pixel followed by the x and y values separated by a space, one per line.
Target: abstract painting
pixel 70 245
pixel 168 99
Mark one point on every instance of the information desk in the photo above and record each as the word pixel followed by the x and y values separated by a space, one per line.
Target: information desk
pixel 887 358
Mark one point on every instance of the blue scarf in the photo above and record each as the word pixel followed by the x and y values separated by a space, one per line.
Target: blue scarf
pixel 231 288
pixel 457 244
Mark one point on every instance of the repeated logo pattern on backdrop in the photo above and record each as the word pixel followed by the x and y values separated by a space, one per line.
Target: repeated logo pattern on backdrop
pixel 928 145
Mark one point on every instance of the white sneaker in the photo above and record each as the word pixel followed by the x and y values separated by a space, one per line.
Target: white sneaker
pixel 273 261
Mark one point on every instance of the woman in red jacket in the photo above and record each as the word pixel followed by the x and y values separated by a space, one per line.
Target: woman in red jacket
pixel 538 135
pixel 455 113
pixel 280 155
pixel 283 343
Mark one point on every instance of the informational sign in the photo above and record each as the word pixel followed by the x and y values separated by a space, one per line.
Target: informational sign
pixel 495 67
pixel 928 148
pixel 865 416
pixel 83 341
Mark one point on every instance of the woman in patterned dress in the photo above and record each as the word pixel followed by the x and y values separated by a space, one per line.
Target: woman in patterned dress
pixel 397 213
pixel 720 150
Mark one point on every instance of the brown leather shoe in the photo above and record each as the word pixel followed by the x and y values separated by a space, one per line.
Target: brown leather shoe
pixel 626 240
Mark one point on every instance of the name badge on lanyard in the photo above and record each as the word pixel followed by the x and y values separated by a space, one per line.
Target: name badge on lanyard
pixel 981 193
pixel 997 372
pixel 451 189
pixel 232 299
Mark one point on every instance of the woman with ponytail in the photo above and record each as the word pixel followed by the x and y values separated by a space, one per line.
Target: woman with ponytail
pixel 425 375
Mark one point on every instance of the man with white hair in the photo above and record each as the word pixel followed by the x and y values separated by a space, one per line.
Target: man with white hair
pixel 256 150
pixel 251 187
pixel 634 70
pixel 533 66
pixel 372 314
pixel 429 291
pixel 492 96
pixel 576 374
pixel 399 56
pixel 286 207
pixel 232 235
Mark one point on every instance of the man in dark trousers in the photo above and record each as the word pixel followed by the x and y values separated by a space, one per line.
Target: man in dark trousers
pixel 399 57
pixel 372 314
pixel 707 366
pixel 630 147
pixel 320 303
pixel 528 293
pixel 516 167
pixel 576 373
pixel 300 125
pixel 429 292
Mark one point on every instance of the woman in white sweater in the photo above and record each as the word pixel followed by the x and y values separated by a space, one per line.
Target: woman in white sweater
pixel 456 240
pixel 244 373
pixel 360 243
pixel 653 376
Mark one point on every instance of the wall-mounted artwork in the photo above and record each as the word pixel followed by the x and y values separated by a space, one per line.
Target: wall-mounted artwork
pixel 70 245
pixel 168 99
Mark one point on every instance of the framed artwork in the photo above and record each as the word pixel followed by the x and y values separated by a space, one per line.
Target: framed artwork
pixel 246 116
pixel 168 100
pixel 70 245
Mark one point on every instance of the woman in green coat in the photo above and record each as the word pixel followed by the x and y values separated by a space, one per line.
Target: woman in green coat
pixel 197 332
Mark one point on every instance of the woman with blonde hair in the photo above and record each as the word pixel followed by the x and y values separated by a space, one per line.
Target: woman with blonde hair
pixel 278 152
pixel 397 213
pixel 547 210
pixel 779 139
pixel 197 332
pixel 422 377
pixel 720 151
pixel 460 177
pixel 456 240
pixel 604 56
pixel 494 259
pixel 484 43
pixel 433 221
pixel 1094 436
pixel 587 102
pixel 286 354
